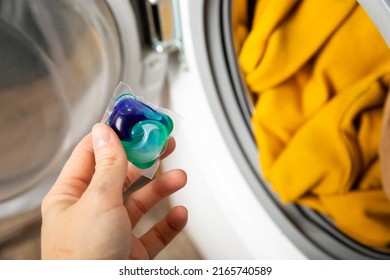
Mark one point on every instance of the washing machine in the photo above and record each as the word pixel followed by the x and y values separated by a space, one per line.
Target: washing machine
pixel 233 213
pixel 60 62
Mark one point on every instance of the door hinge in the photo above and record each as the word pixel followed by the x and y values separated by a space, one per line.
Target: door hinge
pixel 164 25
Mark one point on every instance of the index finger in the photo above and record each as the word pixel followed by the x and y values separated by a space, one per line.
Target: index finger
pixel 144 199
pixel 135 180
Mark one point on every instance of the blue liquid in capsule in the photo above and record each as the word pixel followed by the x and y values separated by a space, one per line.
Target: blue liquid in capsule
pixel 142 130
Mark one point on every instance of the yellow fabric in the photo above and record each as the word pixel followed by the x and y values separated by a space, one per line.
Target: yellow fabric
pixel 240 23
pixel 320 71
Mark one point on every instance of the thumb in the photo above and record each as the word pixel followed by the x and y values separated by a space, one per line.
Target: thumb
pixel 110 163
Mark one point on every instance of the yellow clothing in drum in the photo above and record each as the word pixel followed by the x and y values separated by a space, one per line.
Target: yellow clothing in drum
pixel 320 72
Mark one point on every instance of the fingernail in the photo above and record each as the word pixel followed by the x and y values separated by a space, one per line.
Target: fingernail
pixel 100 136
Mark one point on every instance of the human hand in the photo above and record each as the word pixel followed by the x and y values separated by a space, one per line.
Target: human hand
pixel 85 215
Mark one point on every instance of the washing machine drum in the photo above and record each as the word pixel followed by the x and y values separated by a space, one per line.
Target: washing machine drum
pixel 313 233
pixel 59 62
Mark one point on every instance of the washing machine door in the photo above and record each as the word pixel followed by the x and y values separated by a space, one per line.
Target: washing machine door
pixel 60 62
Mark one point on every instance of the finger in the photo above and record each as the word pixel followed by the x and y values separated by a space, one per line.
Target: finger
pixel 110 165
pixel 133 173
pixel 143 200
pixel 77 172
pixel 159 236
pixel 171 145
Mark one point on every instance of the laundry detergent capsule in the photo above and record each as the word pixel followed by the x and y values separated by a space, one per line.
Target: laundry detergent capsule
pixel 142 130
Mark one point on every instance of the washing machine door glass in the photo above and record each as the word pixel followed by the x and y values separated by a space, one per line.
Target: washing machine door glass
pixel 59 61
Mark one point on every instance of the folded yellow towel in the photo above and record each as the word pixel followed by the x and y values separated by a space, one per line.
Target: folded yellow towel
pixel 321 71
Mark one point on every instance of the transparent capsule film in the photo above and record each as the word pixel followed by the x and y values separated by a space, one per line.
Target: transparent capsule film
pixel 142 127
